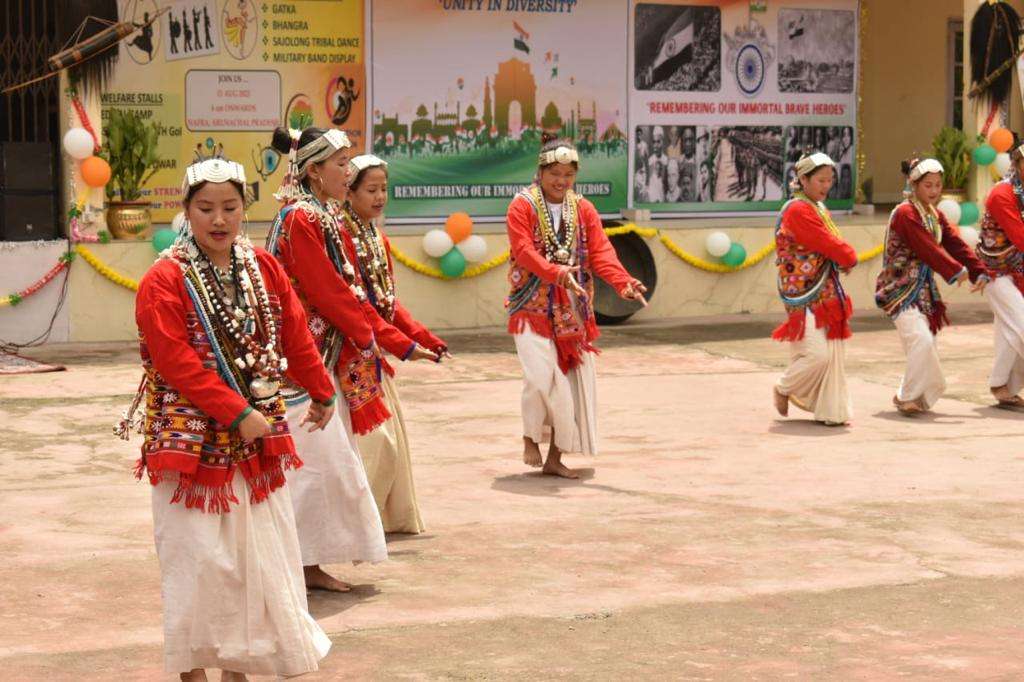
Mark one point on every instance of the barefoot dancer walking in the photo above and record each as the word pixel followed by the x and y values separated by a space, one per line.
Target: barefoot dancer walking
pixel 558 246
pixel 918 244
pixel 219 328
pixel 335 513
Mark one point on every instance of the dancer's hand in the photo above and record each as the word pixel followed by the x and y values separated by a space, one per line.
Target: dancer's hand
pixel 567 279
pixel 317 416
pixel 253 426
pixel 443 353
pixel 421 353
pixel 635 291
pixel 979 286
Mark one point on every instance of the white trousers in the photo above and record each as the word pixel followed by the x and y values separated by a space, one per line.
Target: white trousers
pixel 564 403
pixel 923 380
pixel 1007 305
pixel 233 592
pixel 815 380
pixel 335 514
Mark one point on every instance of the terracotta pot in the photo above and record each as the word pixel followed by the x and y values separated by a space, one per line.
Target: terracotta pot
pixel 129 219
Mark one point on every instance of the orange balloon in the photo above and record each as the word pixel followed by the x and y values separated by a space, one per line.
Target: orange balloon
pixel 1001 139
pixel 458 226
pixel 95 171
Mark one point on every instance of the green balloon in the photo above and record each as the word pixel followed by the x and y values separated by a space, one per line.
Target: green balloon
pixel 736 255
pixel 984 154
pixel 163 238
pixel 968 213
pixel 453 263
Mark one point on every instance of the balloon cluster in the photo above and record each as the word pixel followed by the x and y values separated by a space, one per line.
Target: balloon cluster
pixel 455 245
pixel 995 152
pixel 165 236
pixel 721 246
pixel 80 145
pixel 963 214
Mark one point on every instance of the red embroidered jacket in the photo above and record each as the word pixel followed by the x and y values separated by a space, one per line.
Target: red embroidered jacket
pixel 807 255
pixel 910 245
pixel 192 414
pixel 540 312
pixel 1001 243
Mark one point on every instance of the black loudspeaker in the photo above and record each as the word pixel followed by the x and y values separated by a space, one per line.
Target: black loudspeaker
pixel 636 257
pixel 27 216
pixel 26 167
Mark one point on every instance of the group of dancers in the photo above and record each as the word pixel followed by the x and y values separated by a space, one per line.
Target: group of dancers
pixel 273 430
pixel 919 244
pixel 274 438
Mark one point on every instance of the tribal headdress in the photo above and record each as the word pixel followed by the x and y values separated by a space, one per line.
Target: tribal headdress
pixel 301 158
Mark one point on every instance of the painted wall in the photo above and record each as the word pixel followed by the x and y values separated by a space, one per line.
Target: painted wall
pixel 21 265
pixel 102 311
pixel 906 84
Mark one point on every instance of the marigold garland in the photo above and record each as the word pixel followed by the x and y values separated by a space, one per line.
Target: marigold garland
pixel 105 270
pixel 646 232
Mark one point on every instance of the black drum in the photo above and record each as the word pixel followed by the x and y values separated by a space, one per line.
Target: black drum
pixel 637 259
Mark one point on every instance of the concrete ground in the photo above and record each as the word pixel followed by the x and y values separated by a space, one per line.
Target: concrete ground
pixel 710 539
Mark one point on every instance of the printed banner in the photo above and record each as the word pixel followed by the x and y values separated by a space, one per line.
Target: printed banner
pixel 462 90
pixel 725 97
pixel 227 72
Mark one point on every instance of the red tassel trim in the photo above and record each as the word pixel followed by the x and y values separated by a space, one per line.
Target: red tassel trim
pixel 369 416
pixel 938 318
pixel 569 348
pixel 793 328
pixel 832 314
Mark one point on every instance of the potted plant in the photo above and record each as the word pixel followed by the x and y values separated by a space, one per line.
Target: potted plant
pixel 129 146
pixel 953 150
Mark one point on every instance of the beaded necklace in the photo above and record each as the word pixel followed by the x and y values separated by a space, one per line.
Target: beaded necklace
pixel 241 326
pixel 373 262
pixel 327 217
pixel 557 241
pixel 929 217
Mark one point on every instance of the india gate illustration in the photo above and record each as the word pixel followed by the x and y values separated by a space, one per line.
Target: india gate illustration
pixel 509 109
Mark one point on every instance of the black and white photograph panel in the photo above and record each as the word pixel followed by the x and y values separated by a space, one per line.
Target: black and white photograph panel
pixel 816 50
pixel 743 163
pixel 836 141
pixel 665 160
pixel 678 47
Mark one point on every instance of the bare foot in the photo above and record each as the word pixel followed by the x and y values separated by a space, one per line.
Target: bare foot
pixel 231 676
pixel 316 579
pixel 781 402
pixel 1006 399
pixel 531 453
pixel 194 675
pixel 559 469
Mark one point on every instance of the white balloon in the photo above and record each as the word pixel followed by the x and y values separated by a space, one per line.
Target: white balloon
pixel 473 248
pixel 951 209
pixel 970 235
pixel 1002 163
pixel 437 243
pixel 178 221
pixel 78 143
pixel 718 244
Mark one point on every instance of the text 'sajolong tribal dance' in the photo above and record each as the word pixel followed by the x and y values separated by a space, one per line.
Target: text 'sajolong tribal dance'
pixel 274 437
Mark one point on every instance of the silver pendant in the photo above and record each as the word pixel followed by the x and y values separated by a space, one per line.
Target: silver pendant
pixel 263 388
pixel 562 255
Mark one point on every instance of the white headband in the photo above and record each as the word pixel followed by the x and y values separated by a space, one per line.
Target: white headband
pixel 320 149
pixel 360 163
pixel 559 155
pixel 924 167
pixel 213 170
pixel 809 164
